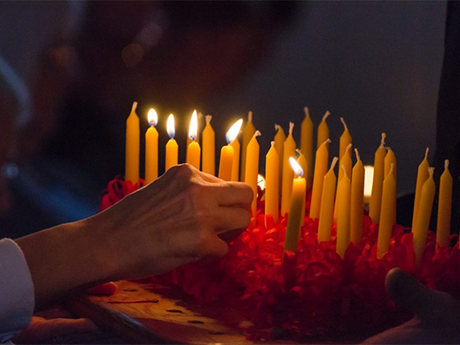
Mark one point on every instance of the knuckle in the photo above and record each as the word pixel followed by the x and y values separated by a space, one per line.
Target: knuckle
pixel 182 170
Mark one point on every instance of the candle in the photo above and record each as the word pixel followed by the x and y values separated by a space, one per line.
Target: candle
pixel 377 184
pixel 208 163
pixel 299 188
pixel 306 145
pixel 357 200
pixel 327 204
pixel 172 150
pixel 444 207
pixel 236 159
pixel 248 133
pixel 272 162
pixel 345 161
pixel 227 153
pixel 252 168
pixel 193 149
pixel 132 146
pixel 422 176
pixel 321 164
pixel 151 148
pixel 280 138
pixel 288 174
pixel 303 164
pixel 323 130
pixel 423 217
pixel 343 215
pixel 390 159
pixel 345 141
pixel 387 213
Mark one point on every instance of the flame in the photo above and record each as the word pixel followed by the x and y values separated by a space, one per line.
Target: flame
pixel 298 171
pixel 233 131
pixel 193 129
pixel 261 181
pixel 152 117
pixel 368 180
pixel 170 126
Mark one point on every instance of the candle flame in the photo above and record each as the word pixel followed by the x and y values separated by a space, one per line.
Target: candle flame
pixel 298 171
pixel 170 126
pixel 152 117
pixel 368 180
pixel 261 181
pixel 233 131
pixel 193 129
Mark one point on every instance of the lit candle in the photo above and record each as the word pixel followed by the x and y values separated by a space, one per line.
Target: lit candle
pixel 345 141
pixel 321 164
pixel 422 176
pixel 343 215
pixel 303 164
pixel 132 146
pixel 227 153
pixel 299 188
pixel 288 174
pixel 248 133
pixel 280 138
pixel 208 163
pixel 306 145
pixel 151 148
pixel 387 213
pixel 357 201
pixel 323 130
pixel 377 184
pixel 252 168
pixel 172 150
pixel 422 222
pixel 236 159
pixel 327 204
pixel 444 207
pixel 272 162
pixel 193 150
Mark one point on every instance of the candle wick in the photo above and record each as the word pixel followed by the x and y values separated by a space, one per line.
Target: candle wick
pixel 307 112
pixel 446 164
pixel 134 107
pixel 208 119
pixel 344 124
pixel 291 127
pixel 327 141
pixel 382 142
pixel 298 151
pixel 257 134
pixel 272 143
pixel 334 162
pixel 277 127
pixel 249 116
pixel 357 155
pixel 325 116
pixel 426 152
pixel 431 171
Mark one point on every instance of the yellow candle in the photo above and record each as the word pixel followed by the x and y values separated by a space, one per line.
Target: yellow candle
pixel 306 145
pixel 272 162
pixel 280 138
pixel 422 222
pixel 390 159
pixel 343 215
pixel 208 163
pixel 288 174
pixel 323 131
pixel 321 164
pixel 357 201
pixel 377 184
pixel 422 176
pixel 387 213
pixel 444 207
pixel 172 150
pixel 193 149
pixel 236 159
pixel 151 148
pixel 132 146
pixel 345 141
pixel 252 168
pixel 248 133
pixel 327 204
pixel 303 163
pixel 299 188
pixel 227 153
pixel 346 162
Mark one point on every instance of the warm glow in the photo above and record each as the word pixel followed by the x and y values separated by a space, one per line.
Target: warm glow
pixel 368 179
pixel 152 117
pixel 193 129
pixel 298 171
pixel 261 181
pixel 233 131
pixel 170 126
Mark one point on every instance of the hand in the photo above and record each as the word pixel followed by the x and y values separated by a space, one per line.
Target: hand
pixel 175 220
pixel 437 314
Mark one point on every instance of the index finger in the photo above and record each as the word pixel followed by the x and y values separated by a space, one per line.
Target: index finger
pixel 235 194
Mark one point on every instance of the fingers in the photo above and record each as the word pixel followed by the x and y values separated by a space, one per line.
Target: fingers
pixel 235 194
pixel 231 218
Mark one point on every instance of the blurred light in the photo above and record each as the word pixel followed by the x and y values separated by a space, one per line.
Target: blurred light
pixel 170 128
pixel 261 181
pixel 193 129
pixel 132 54
pixel 152 117
pixel 368 180
pixel 298 171
pixel 233 131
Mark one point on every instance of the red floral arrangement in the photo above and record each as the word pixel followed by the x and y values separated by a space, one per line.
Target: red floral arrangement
pixel 312 291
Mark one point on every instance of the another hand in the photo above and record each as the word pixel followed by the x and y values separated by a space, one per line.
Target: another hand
pixel 437 314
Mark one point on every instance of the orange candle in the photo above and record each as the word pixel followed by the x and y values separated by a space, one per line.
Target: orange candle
pixel 132 146
pixel 252 168
pixel 377 184
pixel 208 142
pixel 236 159
pixel 327 204
pixel 444 207
pixel 357 201
pixel 226 153
pixel 321 164
pixel 172 150
pixel 280 138
pixel 272 162
pixel 387 213
pixel 345 141
pixel 193 150
pixel 248 133
pixel 422 176
pixel 306 145
pixel 343 215
pixel 151 148
pixel 323 130
pixel 288 174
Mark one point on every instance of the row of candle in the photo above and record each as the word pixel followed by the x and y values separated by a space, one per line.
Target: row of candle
pixel 331 202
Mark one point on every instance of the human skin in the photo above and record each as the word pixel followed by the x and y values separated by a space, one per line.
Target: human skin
pixel 175 220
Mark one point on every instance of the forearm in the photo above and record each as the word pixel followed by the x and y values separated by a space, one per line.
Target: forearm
pixel 64 258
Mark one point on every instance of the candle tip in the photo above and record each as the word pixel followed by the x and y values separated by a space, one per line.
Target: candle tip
pixel 357 154
pixel 446 164
pixel 326 115
pixel 291 127
pixel 298 151
pixel 307 112
pixel 382 141
pixel 272 143
pixel 344 124
pixel 431 171
pixel 257 134
pixel 327 141
pixel 426 152
pixel 208 119
pixel 334 162
pixel 134 107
